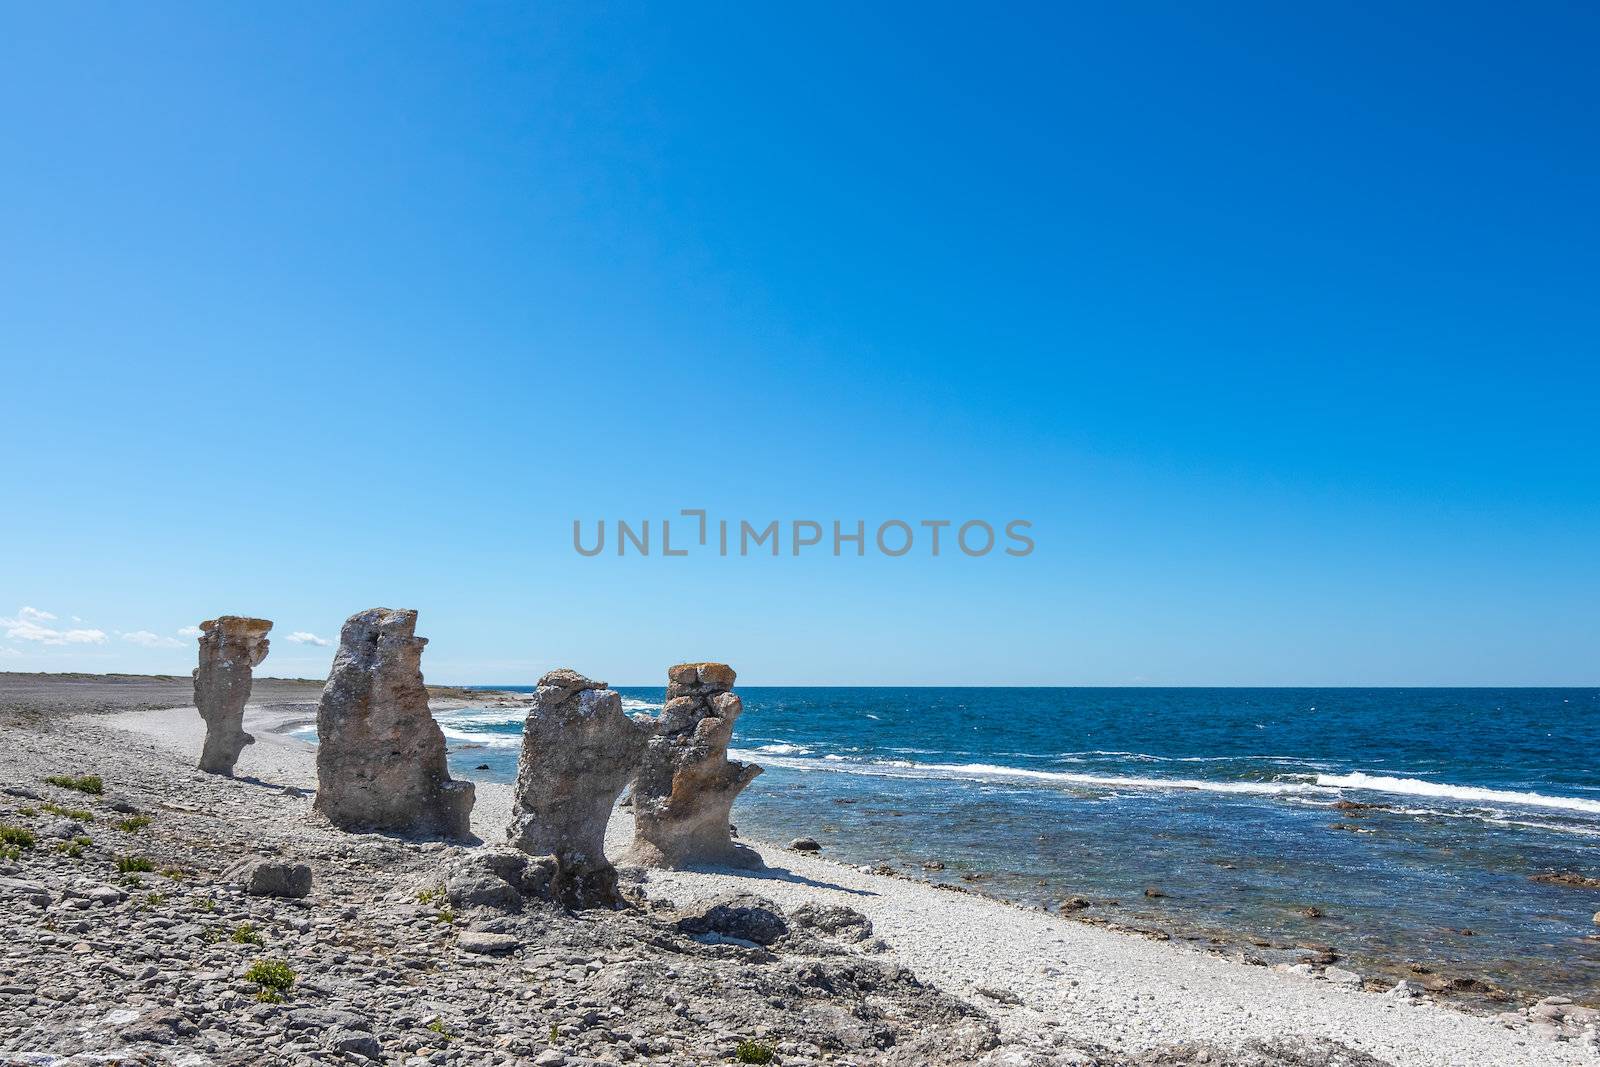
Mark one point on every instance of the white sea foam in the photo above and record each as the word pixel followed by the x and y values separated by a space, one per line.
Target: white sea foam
pixel 1473 794
pixel 479 738
pixel 989 772
pixel 484 717
pixel 635 704
pixel 783 748
pixel 1306 787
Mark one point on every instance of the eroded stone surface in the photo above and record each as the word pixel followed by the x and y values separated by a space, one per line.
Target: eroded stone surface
pixel 687 784
pixel 230 648
pixel 578 752
pixel 380 755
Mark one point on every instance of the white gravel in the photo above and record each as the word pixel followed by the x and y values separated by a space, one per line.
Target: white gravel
pixel 1093 984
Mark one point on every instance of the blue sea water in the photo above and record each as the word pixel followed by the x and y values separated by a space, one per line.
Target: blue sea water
pixel 1224 799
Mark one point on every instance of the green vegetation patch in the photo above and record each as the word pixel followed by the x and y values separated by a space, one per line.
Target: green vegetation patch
pixel 246 934
pixel 133 824
pixel 83 783
pixel 273 978
pixel 753 1052
pixel 134 865
pixel 16 836
pixel 78 814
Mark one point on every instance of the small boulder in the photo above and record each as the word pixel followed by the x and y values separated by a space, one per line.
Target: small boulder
pixel 271 878
pixel 742 916
pixel 354 1041
pixel 1340 976
pixel 164 1026
pixel 805 844
pixel 836 920
pixel 21 889
pixel 63 829
pixel 487 944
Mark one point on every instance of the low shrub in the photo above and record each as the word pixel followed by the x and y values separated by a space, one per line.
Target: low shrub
pixel 273 978
pixel 753 1052
pixel 16 836
pixel 134 865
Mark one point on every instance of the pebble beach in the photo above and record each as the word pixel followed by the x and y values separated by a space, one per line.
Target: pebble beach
pixel 91 967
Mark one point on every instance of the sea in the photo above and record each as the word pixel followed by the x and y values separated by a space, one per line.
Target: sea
pixel 1400 828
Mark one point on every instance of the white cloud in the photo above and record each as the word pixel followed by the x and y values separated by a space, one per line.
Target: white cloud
pixel 150 640
pixel 7 651
pixel 26 626
pixel 301 637
pixel 189 631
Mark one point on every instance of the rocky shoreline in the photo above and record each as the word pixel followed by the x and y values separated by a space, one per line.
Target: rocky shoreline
pixel 414 952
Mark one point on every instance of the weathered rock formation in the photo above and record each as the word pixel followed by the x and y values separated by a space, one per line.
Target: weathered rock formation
pixel 578 752
pixel 230 648
pixel 687 784
pixel 380 755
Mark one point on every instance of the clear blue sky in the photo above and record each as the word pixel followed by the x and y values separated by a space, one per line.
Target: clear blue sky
pixel 1279 323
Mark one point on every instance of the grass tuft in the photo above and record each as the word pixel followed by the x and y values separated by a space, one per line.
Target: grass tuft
pixel 77 814
pixel 16 836
pixel 133 824
pixel 438 1027
pixel 246 934
pixel 83 783
pixel 134 865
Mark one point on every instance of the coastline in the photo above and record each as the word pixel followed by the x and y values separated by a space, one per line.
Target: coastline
pixel 1035 972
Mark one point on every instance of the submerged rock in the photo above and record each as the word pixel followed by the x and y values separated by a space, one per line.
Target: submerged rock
pixel 578 752
pixel 1572 879
pixel 687 784
pixel 380 755
pixel 230 648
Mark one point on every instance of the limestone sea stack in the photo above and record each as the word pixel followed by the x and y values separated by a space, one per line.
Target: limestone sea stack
pixel 687 784
pixel 380 755
pixel 578 752
pixel 230 648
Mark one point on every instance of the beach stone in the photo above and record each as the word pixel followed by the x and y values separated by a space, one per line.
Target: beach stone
pixel 836 920
pixel 579 750
pixel 271 878
pixel 805 844
pixel 62 829
pixel 22 889
pixel 742 915
pixel 683 800
pixel 231 646
pixel 1342 977
pixel 354 1041
pixel 488 944
pixel 380 755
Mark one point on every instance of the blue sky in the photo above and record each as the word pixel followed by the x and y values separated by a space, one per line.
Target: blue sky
pixel 1279 325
